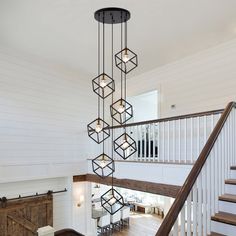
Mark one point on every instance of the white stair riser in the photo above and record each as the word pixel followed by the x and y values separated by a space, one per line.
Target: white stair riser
pixel 230 188
pixel 228 207
pixel 233 174
pixel 221 228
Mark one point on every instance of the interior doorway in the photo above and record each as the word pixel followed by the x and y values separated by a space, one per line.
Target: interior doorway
pixel 145 106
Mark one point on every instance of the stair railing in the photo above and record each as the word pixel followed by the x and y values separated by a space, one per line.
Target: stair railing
pixel 197 199
pixel 176 139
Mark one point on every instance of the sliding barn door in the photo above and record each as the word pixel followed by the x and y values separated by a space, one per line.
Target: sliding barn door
pixel 24 217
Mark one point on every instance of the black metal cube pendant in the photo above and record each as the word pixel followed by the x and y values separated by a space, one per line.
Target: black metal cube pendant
pixel 112 201
pixel 125 146
pixel 98 130
pixel 126 60
pixel 121 111
pixel 103 165
pixel 103 85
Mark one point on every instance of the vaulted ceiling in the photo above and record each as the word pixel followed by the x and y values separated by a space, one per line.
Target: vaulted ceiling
pixel 64 32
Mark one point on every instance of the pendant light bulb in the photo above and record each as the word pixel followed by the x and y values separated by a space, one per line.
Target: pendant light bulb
pixel 98 127
pixel 125 144
pixel 112 201
pixel 121 108
pixel 103 163
pixel 103 82
pixel 125 57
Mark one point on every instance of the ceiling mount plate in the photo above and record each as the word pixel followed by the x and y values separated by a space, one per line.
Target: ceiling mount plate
pixel 111 15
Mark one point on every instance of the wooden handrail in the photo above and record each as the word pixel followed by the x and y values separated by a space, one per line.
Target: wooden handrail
pixel 185 190
pixel 192 115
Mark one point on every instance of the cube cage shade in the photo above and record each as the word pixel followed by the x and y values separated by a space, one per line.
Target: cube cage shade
pixel 125 146
pixel 121 111
pixel 103 165
pixel 98 130
pixel 112 201
pixel 126 60
pixel 103 85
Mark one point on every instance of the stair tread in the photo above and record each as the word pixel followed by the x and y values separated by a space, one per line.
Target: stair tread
pixel 225 217
pixel 228 197
pixel 216 234
pixel 230 181
pixel 233 167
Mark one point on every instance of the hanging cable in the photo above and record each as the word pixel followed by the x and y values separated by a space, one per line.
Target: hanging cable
pixel 99 66
pixel 121 47
pixel 125 91
pixel 126 32
pixel 112 99
pixel 103 101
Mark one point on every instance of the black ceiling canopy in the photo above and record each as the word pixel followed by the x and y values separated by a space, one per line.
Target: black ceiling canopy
pixel 111 15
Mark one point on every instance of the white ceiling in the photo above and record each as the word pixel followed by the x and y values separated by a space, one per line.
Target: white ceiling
pixel 64 32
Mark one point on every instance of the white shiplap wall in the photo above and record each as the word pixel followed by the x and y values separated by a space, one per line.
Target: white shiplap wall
pixel 43 118
pixel 44 112
pixel 197 83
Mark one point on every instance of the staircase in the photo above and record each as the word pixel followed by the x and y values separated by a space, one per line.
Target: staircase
pixel 224 222
pixel 206 203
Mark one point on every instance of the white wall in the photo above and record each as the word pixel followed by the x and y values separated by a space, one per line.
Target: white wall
pixel 62 211
pixel 43 118
pixel 200 82
pixel 158 173
pixel 82 216
pixel 44 113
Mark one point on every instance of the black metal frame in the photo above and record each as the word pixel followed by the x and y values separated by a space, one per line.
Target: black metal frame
pixel 98 137
pixel 126 115
pixel 105 171
pixel 105 91
pixel 132 147
pixel 128 66
pixel 107 197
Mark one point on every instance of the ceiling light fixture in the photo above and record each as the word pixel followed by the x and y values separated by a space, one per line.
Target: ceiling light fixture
pixel 121 111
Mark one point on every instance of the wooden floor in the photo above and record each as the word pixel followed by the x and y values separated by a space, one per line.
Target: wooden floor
pixel 141 224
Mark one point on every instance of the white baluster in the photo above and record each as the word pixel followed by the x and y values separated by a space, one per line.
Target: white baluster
pixel 195 210
pixel 163 141
pixel 234 131
pixel 204 202
pixel 153 141
pixel 185 140
pixel 231 138
pixel 179 141
pixel 198 136
pixel 189 214
pixel 158 142
pixel 149 142
pixel 227 149
pixel 174 143
pixel 199 195
pixel 168 141
pixel 141 143
pixel 208 189
pixel 145 142
pixel 182 224
pixel 212 173
pixel 216 174
pixel 136 138
pixel 191 140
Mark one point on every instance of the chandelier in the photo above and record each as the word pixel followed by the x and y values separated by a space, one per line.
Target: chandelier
pixel 125 60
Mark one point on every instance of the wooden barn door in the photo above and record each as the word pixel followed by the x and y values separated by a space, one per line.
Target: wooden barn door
pixel 24 217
